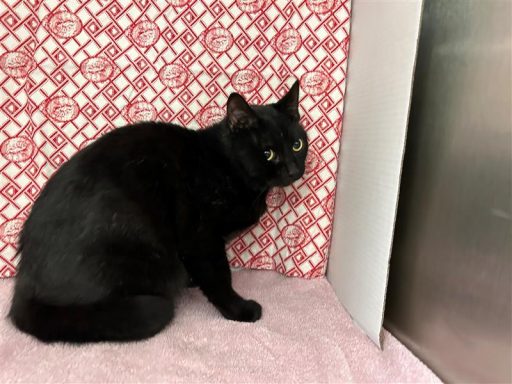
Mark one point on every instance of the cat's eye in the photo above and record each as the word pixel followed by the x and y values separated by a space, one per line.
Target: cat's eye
pixel 269 154
pixel 297 146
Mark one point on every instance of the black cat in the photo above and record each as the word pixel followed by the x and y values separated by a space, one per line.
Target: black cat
pixel 117 230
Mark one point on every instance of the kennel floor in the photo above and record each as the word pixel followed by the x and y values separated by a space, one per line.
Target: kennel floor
pixel 304 336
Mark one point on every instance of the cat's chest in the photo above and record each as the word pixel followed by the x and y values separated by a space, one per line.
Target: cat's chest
pixel 234 210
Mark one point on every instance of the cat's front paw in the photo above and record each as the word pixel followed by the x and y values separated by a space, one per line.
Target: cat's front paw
pixel 247 311
pixel 251 311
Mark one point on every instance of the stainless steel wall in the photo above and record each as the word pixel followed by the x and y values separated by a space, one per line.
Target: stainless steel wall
pixel 449 296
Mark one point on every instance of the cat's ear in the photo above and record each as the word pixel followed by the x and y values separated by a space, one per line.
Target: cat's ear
pixel 289 103
pixel 240 115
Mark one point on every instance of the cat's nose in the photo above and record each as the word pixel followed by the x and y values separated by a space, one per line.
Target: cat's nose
pixel 293 171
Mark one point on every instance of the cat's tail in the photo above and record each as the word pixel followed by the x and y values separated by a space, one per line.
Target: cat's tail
pixel 125 319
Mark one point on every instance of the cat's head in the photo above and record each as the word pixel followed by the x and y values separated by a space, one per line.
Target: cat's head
pixel 267 142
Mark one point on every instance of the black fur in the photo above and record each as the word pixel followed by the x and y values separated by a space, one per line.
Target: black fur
pixel 122 226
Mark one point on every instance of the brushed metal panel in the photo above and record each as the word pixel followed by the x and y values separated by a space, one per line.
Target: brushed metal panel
pixel 449 296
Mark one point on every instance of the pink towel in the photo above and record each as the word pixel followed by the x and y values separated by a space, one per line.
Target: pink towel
pixel 305 336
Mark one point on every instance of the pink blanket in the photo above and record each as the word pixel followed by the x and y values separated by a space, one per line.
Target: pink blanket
pixel 70 71
pixel 304 336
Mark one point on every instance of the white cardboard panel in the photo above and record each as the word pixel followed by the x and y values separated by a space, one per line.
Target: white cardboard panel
pixel 384 37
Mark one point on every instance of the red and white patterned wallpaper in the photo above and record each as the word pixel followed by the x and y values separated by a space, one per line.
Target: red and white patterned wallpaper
pixel 70 71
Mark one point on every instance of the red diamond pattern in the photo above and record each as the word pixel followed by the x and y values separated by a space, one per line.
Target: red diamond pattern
pixel 70 71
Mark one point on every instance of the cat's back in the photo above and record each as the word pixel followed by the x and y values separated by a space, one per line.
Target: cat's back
pixel 125 150
pixel 100 194
pixel 147 139
pixel 106 176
